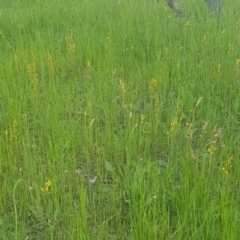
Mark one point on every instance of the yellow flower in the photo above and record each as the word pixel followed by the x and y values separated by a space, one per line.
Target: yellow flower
pixel 46 188
pixel 198 101
pixel 156 103
pixel 187 24
pixel 31 68
pixel 91 123
pixel 122 86
pixel 212 149
pixel 153 83
pixel 14 123
pixel 195 158
pixel 204 128
pixel 70 43
pixel 173 124
pixel 144 122
pixel 228 165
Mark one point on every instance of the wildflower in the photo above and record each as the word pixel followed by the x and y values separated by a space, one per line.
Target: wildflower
pixel 190 125
pixel 212 149
pixel 156 103
pixel 215 131
pixel 198 101
pixel 187 24
pixel 14 123
pixel 144 122
pixel 71 47
pixel 204 128
pixel 91 123
pixel 122 86
pixel 11 133
pixel 195 158
pixel 228 165
pixel 70 43
pixel 31 68
pixel 153 83
pixel 173 124
pixel 35 82
pixel 47 186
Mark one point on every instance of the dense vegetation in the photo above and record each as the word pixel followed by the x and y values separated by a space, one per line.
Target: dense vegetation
pixel 119 120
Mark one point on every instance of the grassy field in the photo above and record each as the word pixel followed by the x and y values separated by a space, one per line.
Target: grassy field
pixel 119 120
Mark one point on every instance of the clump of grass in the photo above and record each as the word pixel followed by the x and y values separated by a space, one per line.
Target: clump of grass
pixel 118 121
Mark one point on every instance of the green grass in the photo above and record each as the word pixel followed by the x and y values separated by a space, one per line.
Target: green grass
pixel 130 112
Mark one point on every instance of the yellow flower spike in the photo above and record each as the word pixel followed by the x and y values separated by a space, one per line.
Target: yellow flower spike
pixel 195 158
pixel 198 101
pixel 153 83
pixel 214 129
pixel 122 86
pixel 71 47
pixel 204 128
pixel 48 183
pixel 166 9
pixel 70 43
pixel 46 188
pixel 156 103
pixel 212 149
pixel 91 123
pixel 228 165
pixel 144 122
pixel 187 24
pixel 173 123
pixel 15 123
